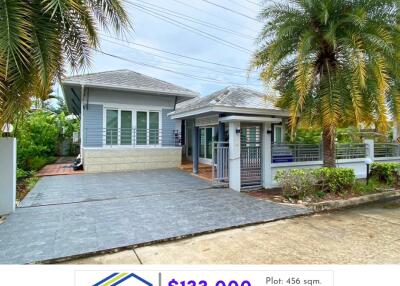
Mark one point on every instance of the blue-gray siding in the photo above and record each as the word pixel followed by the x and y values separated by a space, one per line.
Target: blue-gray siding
pixel 168 128
pixel 93 126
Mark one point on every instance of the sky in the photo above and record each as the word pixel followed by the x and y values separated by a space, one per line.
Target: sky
pixel 205 32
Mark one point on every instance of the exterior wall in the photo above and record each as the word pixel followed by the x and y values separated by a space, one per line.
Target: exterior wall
pixel 131 159
pixel 115 97
pixel 168 127
pixel 93 119
pixel 97 99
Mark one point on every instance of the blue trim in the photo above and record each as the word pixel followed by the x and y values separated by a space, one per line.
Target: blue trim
pixel 130 276
pixel 105 279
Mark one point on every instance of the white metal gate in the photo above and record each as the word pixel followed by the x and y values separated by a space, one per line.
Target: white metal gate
pixel 250 156
pixel 220 159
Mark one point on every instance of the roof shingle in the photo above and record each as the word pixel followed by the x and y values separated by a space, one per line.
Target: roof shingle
pixel 231 96
pixel 130 80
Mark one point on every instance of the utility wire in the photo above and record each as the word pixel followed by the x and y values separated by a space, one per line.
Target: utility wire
pixel 231 10
pixel 211 14
pixel 179 55
pixel 176 62
pixel 254 3
pixel 192 29
pixel 161 9
pixel 206 79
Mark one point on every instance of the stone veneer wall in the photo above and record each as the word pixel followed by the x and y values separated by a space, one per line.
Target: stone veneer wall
pixel 113 160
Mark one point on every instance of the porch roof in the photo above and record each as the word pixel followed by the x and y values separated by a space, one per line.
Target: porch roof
pixel 231 99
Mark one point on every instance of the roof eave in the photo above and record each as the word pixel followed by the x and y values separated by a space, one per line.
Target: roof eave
pixel 142 90
pixel 228 109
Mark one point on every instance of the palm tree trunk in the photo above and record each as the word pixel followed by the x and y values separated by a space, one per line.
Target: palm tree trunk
pixel 328 145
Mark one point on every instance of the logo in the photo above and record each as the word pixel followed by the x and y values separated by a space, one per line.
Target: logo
pixel 123 279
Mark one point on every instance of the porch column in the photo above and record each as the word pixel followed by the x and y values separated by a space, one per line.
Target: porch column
pixel 195 149
pixel 220 158
pixel 234 156
pixel 8 174
pixel 266 156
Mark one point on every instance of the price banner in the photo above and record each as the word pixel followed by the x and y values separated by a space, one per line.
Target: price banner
pixel 205 278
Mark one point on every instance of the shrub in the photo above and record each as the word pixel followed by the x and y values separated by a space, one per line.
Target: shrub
pixel 385 171
pixel 296 183
pixel 316 182
pixel 334 180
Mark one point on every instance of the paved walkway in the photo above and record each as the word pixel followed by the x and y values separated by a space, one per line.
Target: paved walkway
pixel 63 166
pixel 72 215
pixel 365 235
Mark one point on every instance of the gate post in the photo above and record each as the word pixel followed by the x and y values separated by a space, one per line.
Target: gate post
pixel 8 175
pixel 266 156
pixel 234 156
pixel 195 149
pixel 220 163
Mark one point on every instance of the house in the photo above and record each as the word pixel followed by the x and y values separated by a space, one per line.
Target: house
pixel 130 121
pixel 124 120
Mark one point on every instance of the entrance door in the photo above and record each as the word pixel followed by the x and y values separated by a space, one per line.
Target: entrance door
pixel 206 138
pixel 250 156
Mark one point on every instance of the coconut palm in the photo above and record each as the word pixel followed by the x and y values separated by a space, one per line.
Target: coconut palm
pixel 334 62
pixel 38 37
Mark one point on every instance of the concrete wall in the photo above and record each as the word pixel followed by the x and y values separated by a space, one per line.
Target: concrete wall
pixel 358 165
pixel 8 177
pixel 129 159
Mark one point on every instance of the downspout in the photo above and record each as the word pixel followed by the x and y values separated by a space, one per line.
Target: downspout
pixel 82 117
pixel 176 102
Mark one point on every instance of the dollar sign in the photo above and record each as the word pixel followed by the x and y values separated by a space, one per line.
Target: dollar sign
pixel 173 282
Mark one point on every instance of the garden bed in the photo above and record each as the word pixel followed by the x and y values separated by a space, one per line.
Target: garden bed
pixel 333 188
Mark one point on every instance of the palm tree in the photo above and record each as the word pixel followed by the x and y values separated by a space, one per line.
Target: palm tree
pixel 334 62
pixel 38 37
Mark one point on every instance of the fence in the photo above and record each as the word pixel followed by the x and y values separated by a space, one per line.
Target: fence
pixel 386 150
pixel 286 153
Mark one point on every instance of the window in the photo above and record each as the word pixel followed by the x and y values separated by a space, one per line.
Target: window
pixel 112 127
pixel 278 134
pixel 141 128
pixel 120 127
pixel 126 127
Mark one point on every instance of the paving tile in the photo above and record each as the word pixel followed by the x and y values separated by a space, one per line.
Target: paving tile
pixel 70 215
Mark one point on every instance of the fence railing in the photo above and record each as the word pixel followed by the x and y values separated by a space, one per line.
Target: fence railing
pixel 286 153
pixel 385 150
pixel 134 137
pixel 351 151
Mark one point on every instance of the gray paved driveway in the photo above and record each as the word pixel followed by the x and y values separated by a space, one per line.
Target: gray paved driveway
pixel 70 215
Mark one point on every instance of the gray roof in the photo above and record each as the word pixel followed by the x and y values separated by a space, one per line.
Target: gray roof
pixel 128 80
pixel 232 96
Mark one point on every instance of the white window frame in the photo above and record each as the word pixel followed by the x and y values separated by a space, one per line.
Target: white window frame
pixel 281 127
pixel 134 111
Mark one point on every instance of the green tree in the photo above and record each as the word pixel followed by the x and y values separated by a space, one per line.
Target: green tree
pixel 38 37
pixel 334 62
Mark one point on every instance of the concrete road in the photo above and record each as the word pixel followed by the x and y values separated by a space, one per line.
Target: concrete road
pixel 366 235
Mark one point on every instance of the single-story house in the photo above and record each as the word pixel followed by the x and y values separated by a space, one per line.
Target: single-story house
pixel 130 121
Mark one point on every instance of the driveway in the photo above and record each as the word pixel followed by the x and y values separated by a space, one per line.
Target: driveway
pixel 364 235
pixel 72 215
